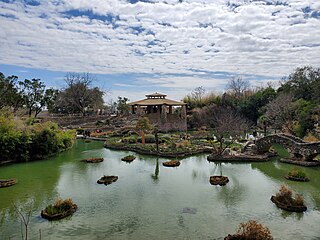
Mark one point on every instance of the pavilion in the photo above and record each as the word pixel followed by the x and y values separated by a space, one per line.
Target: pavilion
pixel 166 114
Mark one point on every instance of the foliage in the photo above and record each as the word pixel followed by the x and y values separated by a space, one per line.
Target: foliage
pixel 285 196
pixel 21 142
pixel 149 138
pixel 128 158
pixel 122 105
pixel 143 124
pixel 252 230
pixel 10 95
pixel 297 173
pixel 59 206
pixel 78 97
pixel 130 139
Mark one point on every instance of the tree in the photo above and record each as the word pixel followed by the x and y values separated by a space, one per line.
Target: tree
pixel 9 93
pixel 280 112
pixel 238 86
pixel 226 124
pixel 33 93
pixel 303 83
pixel 142 125
pixel 78 96
pixel 122 105
pixel 198 93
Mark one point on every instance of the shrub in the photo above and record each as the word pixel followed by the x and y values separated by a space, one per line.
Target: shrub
pixel 149 138
pixel 21 142
pixel 131 139
pixel 253 230
pixel 297 173
pixel 59 206
pixel 285 196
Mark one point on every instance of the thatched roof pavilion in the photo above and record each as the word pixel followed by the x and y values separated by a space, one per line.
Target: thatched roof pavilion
pixel 159 109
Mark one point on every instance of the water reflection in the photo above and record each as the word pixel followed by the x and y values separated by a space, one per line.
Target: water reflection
pixel 155 176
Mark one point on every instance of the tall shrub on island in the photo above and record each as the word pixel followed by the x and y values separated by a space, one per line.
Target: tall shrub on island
pixel 143 125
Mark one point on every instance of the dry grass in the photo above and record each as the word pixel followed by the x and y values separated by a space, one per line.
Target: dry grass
pixel 285 196
pixel 252 230
pixel 310 138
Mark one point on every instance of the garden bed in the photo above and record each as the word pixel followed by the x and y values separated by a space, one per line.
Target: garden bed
pixel 301 163
pixel 128 158
pixel 141 150
pixel 239 158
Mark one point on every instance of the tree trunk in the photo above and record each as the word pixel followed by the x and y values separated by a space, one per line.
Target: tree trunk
pixel 142 137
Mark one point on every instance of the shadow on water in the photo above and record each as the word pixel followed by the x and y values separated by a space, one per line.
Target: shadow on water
pixel 155 176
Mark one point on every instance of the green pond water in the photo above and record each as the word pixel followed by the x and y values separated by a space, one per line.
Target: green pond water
pixel 150 201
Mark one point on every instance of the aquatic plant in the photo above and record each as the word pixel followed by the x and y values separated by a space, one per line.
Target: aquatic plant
pixel 285 196
pixel 60 206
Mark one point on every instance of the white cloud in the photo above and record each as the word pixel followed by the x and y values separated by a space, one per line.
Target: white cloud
pixel 165 37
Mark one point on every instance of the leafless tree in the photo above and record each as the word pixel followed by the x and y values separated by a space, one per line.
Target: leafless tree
pixel 280 112
pixel 198 93
pixel 227 124
pixel 238 86
pixel 25 219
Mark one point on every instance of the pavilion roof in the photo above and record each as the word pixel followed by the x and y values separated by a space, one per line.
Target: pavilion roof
pixel 156 95
pixel 156 101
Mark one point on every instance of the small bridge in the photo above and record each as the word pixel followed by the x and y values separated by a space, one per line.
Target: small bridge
pixel 298 149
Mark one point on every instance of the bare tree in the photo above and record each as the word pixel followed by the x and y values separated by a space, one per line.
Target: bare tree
pixel 79 96
pixel 198 93
pixel 238 86
pixel 25 219
pixel 280 112
pixel 227 125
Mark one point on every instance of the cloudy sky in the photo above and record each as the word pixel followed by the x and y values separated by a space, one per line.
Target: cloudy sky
pixel 137 47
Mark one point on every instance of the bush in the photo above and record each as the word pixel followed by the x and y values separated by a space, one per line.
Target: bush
pixel 130 140
pixel 21 142
pixel 285 196
pixel 253 230
pixel 149 138
pixel 297 173
pixel 59 206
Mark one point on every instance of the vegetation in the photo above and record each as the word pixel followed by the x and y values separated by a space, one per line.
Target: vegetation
pixel 285 196
pixel 252 230
pixel 291 108
pixel 23 141
pixel 60 206
pixel 128 158
pixel 297 173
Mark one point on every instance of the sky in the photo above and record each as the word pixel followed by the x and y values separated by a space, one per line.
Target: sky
pixel 132 48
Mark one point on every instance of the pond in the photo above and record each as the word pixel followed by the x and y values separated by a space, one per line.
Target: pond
pixel 150 201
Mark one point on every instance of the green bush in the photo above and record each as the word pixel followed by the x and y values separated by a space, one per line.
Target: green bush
pixel 130 140
pixel 149 138
pixel 22 142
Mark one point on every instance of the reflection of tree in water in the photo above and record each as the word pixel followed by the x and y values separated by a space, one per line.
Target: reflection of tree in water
pixel 296 215
pixel 155 176
pixel 231 195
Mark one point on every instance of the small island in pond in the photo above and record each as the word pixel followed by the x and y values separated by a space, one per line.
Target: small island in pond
pixel 94 160
pixel 60 209
pixel 251 230
pixel 284 200
pixel 8 182
pixel 297 175
pixel 128 158
pixel 172 163
pixel 106 180
pixel 218 180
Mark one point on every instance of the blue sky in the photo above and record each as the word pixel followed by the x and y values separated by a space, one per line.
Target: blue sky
pixel 136 47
